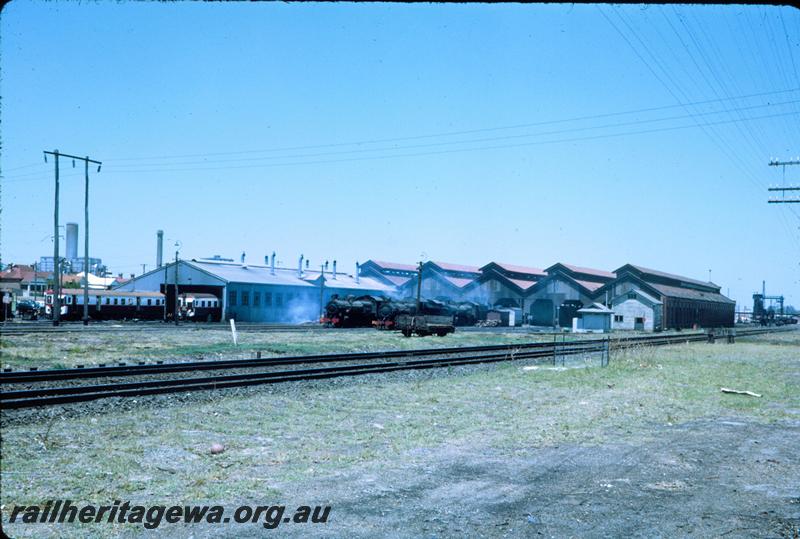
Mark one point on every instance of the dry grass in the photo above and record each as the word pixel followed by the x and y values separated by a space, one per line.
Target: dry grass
pixel 280 437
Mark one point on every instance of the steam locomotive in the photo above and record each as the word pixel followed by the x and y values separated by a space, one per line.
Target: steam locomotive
pixel 383 312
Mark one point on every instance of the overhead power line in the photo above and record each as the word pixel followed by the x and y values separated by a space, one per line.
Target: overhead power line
pixel 462 132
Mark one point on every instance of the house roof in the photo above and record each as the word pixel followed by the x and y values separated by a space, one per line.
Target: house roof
pixel 25 273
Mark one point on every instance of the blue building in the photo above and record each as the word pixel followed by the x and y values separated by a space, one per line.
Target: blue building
pixel 258 293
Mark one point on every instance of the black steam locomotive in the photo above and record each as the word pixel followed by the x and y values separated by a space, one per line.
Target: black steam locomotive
pixel 382 312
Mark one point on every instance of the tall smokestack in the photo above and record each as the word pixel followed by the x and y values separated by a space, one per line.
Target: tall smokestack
pixel 272 264
pixel 266 260
pixel 159 248
pixel 72 241
pixel 243 256
pixel 358 271
pixel 300 266
pixel 334 269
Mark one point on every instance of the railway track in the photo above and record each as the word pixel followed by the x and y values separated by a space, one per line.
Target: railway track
pixel 14 329
pixel 398 360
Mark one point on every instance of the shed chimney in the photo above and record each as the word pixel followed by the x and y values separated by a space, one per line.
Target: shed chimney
pixel 358 271
pixel 334 269
pixel 272 264
pixel 159 248
pixel 243 256
pixel 300 266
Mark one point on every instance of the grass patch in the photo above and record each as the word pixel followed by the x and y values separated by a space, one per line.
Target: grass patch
pixel 285 436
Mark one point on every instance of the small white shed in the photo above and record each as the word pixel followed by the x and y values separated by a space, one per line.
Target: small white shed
pixel 595 317
pixel 636 310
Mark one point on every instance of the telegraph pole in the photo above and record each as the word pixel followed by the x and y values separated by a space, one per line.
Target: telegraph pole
pixel 56 265
pixel 784 189
pixel 321 292
pixel 56 260
pixel 176 286
pixel 419 287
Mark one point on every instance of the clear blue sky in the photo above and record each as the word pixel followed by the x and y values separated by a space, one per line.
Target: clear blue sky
pixel 253 127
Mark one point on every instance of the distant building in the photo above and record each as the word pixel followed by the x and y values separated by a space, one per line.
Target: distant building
pixel 505 285
pixel 258 293
pixel 685 302
pixel 31 282
pixel 71 265
pixel 555 299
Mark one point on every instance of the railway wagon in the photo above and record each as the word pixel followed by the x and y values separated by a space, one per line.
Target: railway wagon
pixel 425 324
pixel 198 307
pixel 108 305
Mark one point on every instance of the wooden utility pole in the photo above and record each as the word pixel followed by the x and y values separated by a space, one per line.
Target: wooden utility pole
pixel 56 260
pixel 56 265
pixel 321 292
pixel 783 190
pixel 176 287
pixel 419 287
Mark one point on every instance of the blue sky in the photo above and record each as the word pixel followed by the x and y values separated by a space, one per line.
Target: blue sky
pixel 527 134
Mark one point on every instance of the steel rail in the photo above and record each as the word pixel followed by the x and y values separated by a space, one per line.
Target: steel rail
pixel 136 370
pixel 62 395
pixel 125 369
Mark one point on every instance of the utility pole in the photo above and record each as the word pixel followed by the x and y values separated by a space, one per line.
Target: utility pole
pixel 56 269
pixel 176 285
pixel 56 261
pixel 784 189
pixel 419 287
pixel 165 292
pixel 322 291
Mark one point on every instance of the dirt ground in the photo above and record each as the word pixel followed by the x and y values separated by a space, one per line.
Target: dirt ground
pixel 708 478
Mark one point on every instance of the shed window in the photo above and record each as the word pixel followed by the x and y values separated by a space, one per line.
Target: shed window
pixel 245 298
pixel 618 318
pixel 116 301
pixel 256 299
pixel 639 320
pixel 232 298
pixel 279 300
pixel 268 298
pixel 149 301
